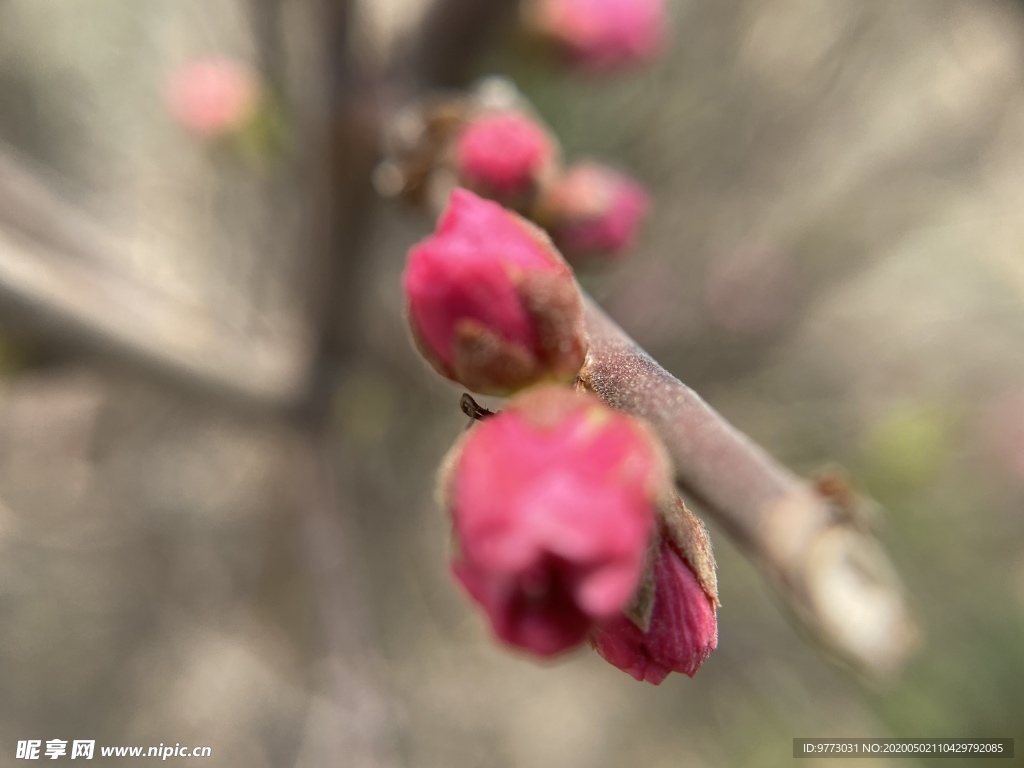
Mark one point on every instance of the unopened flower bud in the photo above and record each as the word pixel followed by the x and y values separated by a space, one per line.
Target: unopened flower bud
pixel 593 210
pixel 675 628
pixel 601 35
pixel 213 96
pixel 553 504
pixel 504 155
pixel 491 303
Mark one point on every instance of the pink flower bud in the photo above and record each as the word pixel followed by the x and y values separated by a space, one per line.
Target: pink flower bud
pixel 503 156
pixel 601 34
pixel 553 502
pixel 213 96
pixel 593 210
pixel 682 629
pixel 492 305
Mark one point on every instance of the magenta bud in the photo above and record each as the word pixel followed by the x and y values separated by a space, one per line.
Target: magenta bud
pixel 681 631
pixel 553 503
pixel 601 35
pixel 491 303
pixel 504 156
pixel 593 210
pixel 213 96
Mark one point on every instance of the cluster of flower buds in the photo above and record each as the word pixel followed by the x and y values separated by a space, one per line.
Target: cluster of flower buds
pixel 590 210
pixel 566 528
pixel 504 153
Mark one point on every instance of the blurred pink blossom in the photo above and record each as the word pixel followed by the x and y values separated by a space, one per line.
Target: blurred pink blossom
pixel 594 210
pixel 502 155
pixel 602 34
pixel 213 96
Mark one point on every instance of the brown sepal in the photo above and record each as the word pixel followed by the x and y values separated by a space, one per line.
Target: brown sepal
pixel 552 298
pixel 642 606
pixel 486 363
pixel 689 535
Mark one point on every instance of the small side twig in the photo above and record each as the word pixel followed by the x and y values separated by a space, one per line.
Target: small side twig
pixel 834 575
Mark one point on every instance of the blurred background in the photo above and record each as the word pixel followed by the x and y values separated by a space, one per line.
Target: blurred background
pixel 835 261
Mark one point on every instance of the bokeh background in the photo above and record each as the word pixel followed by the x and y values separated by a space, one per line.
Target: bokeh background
pixel 835 261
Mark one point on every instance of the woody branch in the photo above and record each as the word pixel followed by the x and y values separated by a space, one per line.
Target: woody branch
pixel 810 545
